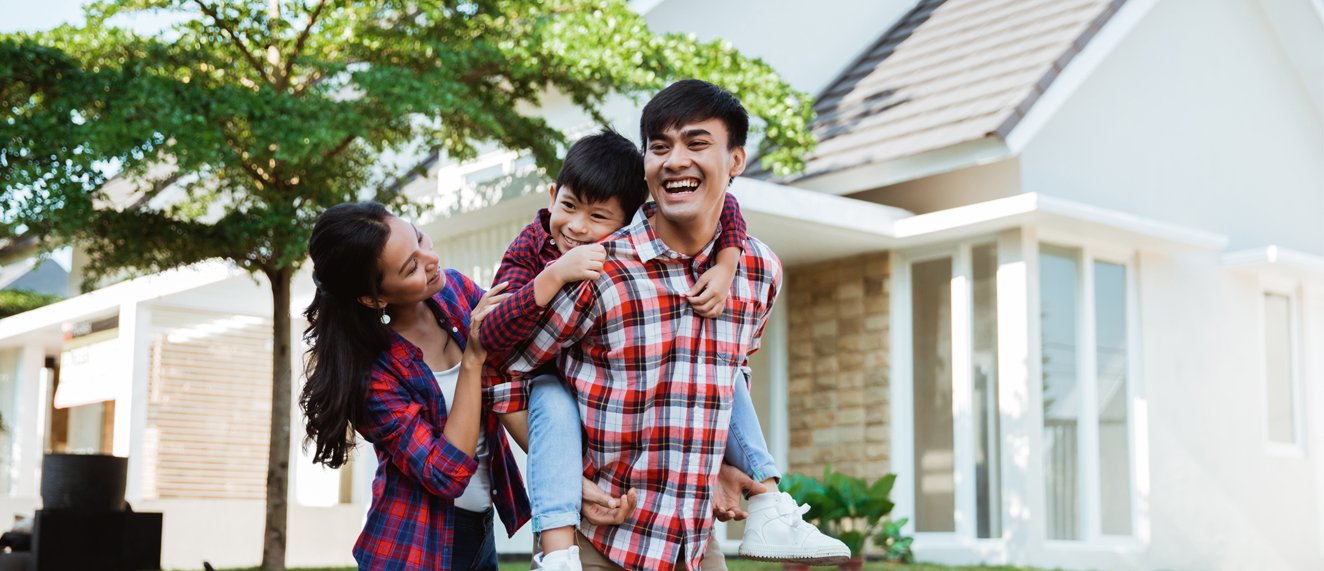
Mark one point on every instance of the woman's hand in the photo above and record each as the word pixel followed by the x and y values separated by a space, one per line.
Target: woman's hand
pixel 486 304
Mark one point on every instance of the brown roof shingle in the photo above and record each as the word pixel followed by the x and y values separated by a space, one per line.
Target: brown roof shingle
pixel 948 72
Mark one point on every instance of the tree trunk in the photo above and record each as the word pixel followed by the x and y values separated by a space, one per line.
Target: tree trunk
pixel 278 459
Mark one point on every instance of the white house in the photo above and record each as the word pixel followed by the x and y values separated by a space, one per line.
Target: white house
pixel 1059 264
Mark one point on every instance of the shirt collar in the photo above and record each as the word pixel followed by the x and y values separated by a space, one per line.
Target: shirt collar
pixel 649 247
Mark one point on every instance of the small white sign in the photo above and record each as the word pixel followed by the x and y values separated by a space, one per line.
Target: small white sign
pixel 91 370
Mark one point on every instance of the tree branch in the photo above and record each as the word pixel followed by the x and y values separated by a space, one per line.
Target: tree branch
pixel 234 38
pixel 480 72
pixel 340 148
pixel 298 45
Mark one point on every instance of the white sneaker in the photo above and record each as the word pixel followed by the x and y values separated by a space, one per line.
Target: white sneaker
pixel 563 560
pixel 776 531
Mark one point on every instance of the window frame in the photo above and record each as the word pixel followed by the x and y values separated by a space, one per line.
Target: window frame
pixel 1290 289
pixel 1088 445
pixel 902 396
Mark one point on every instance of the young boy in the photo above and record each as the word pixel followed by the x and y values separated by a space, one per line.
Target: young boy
pixel 600 187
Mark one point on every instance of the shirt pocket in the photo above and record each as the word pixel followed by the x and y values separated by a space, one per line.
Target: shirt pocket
pixel 733 330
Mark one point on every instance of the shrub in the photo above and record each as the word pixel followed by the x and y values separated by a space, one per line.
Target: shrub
pixel 848 508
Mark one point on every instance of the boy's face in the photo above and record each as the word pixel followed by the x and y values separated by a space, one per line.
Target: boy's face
pixel 688 167
pixel 575 222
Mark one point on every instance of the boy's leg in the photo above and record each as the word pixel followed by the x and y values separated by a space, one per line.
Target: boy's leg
pixel 746 449
pixel 775 530
pixel 555 461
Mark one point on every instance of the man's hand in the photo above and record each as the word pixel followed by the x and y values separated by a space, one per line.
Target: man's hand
pixel 727 491
pixel 599 508
pixel 579 264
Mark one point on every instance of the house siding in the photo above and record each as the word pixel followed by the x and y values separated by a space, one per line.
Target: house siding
pixel 838 374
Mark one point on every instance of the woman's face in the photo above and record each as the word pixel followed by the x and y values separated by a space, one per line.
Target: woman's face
pixel 411 271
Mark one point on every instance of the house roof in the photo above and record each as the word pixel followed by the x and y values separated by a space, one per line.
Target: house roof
pixel 948 72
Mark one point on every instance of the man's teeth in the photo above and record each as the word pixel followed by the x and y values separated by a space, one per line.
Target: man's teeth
pixel 682 184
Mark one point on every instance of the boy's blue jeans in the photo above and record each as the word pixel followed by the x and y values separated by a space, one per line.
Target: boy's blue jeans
pixel 556 449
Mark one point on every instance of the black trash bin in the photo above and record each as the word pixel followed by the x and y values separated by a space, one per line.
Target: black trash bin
pixel 93 482
pixel 85 523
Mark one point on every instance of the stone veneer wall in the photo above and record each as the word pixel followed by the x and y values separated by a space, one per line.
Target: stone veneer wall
pixel 838 366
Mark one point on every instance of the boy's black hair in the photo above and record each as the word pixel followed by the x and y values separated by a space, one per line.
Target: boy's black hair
pixel 691 101
pixel 604 166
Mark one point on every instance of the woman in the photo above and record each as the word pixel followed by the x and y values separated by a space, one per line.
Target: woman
pixel 392 359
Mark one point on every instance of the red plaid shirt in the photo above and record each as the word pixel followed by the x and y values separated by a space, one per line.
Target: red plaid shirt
pixel 532 251
pixel 654 384
pixel 419 473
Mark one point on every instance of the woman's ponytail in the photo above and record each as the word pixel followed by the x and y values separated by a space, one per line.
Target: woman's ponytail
pixel 345 336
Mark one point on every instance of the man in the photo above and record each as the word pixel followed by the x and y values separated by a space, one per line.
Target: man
pixel 654 381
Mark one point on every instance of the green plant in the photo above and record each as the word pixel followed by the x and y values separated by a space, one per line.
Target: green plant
pixel 842 506
pixel 895 544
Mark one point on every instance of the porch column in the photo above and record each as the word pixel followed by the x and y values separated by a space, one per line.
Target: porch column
pixel 29 432
pixel 1019 391
pixel 131 406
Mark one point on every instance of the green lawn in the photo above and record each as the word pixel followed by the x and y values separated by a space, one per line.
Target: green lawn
pixel 741 565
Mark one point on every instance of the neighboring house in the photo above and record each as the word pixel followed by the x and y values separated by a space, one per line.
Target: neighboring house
pixel 40 276
pixel 1059 264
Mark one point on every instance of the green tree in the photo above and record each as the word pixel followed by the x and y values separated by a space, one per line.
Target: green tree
pixel 266 112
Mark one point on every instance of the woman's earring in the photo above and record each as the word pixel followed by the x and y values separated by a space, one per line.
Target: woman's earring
pixel 386 319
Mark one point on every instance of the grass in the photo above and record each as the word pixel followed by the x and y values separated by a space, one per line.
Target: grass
pixel 733 564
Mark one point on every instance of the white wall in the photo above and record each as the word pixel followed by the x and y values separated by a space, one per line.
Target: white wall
pixel 1221 499
pixel 808 56
pixel 1197 118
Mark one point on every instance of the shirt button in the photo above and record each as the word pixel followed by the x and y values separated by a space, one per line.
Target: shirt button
pixel 454 330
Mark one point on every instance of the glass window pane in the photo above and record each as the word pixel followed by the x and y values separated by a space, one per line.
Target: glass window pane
pixel 931 328
pixel 1057 294
pixel 1114 443
pixel 1278 360
pixel 984 267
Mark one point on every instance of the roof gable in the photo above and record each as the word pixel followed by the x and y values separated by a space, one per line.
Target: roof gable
pixel 949 72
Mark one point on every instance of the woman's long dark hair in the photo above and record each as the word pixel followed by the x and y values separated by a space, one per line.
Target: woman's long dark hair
pixel 346 337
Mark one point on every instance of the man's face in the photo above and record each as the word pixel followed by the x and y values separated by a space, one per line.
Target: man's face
pixel 688 167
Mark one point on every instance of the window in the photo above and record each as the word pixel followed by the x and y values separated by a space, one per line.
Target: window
pixel 984 377
pixel 953 338
pixel 931 327
pixel 1085 339
pixel 1280 370
pixel 1058 268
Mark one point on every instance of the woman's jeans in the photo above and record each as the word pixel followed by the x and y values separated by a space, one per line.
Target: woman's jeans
pixel 556 449
pixel 474 546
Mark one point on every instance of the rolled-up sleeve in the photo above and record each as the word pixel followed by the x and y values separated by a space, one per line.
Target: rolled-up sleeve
pixel 393 420
pixel 569 317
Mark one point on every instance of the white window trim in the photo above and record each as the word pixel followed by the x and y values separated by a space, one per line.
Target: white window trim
pixel 1137 405
pixel 902 398
pixel 1292 291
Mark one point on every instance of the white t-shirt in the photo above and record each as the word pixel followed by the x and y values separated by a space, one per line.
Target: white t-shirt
pixel 478 496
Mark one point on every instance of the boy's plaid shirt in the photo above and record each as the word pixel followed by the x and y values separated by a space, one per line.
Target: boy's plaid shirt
pixel 532 251
pixel 411 522
pixel 654 384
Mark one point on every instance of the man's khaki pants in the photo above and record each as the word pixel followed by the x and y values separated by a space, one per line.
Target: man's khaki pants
pixel 593 560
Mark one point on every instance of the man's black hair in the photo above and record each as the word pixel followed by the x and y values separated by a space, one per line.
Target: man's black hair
pixel 604 166
pixel 691 101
